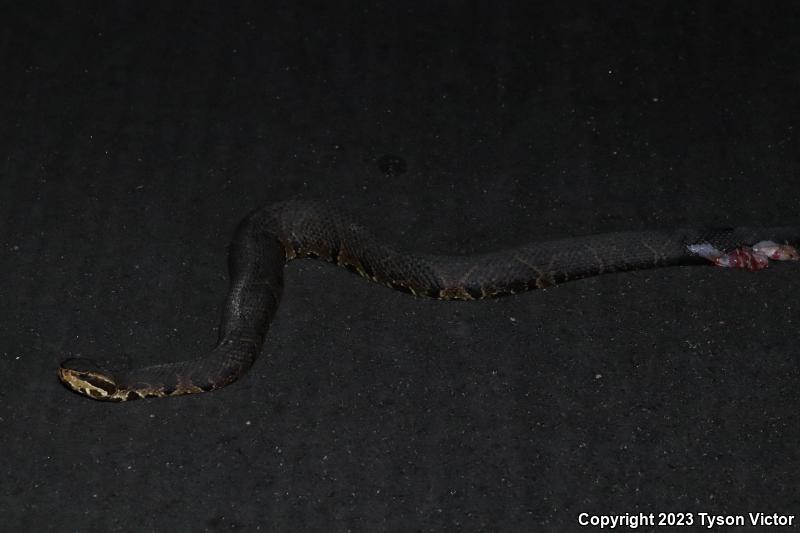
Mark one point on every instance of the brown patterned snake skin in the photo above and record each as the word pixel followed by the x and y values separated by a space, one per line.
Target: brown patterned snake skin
pixel 269 237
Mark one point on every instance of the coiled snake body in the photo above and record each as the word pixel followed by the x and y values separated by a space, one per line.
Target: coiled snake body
pixel 267 238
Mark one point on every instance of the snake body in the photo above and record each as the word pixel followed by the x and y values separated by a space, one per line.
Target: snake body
pixel 266 239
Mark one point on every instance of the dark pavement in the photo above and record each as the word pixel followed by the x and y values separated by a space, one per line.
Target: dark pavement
pixel 134 138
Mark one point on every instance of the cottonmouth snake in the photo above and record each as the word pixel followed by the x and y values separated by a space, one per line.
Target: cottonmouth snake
pixel 269 237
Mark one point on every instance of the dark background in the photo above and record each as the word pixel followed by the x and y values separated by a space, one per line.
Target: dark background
pixel 134 138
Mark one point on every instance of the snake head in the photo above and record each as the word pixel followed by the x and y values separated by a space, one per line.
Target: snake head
pixel 89 378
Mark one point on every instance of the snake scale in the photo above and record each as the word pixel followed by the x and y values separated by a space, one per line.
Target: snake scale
pixel 267 238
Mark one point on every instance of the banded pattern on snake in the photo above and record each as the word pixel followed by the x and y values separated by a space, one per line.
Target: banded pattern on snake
pixel 269 237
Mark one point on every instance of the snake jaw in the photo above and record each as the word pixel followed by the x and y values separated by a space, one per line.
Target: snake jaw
pixel 87 377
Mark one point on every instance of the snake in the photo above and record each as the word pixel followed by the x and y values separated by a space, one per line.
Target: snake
pixel 269 237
